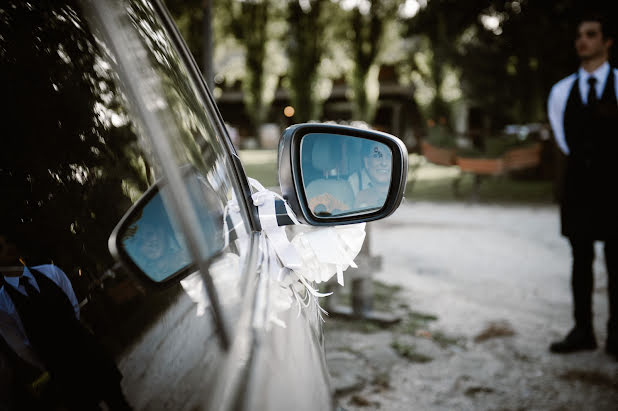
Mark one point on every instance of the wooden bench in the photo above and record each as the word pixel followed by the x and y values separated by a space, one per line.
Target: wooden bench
pixel 515 159
pixel 523 158
pixel 438 155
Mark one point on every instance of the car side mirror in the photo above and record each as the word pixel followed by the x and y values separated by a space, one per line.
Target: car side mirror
pixel 147 239
pixel 334 175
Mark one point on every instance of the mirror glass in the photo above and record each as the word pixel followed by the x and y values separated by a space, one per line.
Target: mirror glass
pixel 344 175
pixel 153 244
pixel 151 239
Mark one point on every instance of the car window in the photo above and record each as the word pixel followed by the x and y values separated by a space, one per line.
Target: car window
pixel 163 91
pixel 74 159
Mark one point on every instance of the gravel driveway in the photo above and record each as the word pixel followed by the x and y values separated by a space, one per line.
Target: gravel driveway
pixel 482 291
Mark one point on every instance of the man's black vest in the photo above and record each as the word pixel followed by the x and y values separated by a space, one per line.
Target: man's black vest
pixel 589 204
pixel 77 364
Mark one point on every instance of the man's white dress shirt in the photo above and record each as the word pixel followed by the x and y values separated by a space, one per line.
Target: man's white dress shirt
pixel 559 95
pixel 11 326
pixel 359 181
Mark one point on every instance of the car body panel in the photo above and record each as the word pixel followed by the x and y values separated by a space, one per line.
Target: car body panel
pixel 166 342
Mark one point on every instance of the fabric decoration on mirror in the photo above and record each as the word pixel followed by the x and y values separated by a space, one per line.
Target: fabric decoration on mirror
pixel 313 256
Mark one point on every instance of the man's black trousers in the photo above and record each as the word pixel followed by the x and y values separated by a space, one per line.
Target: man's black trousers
pixel 582 282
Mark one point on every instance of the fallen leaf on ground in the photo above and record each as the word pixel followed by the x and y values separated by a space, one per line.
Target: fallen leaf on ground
pixel 495 329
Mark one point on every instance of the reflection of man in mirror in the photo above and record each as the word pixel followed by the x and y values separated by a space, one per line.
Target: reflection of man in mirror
pixel 161 252
pixel 48 359
pixel 375 177
pixel 152 243
pixel 330 193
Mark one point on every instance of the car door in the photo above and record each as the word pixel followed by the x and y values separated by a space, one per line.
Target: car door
pixel 105 105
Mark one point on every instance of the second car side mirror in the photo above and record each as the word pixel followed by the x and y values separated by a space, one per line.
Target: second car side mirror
pixel 148 242
pixel 334 175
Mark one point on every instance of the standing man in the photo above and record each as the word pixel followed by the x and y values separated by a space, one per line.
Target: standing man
pixel 583 112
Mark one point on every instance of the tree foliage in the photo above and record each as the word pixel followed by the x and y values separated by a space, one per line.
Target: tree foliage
pixel 250 23
pixel 505 67
pixel 305 48
pixel 509 53
pixel 70 161
pixel 366 35
pixel 443 22
pixel 194 19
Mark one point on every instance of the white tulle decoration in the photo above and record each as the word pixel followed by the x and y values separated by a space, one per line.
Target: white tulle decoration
pixel 327 251
pixel 313 256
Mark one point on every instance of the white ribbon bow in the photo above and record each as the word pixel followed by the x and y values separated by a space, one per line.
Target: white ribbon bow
pixel 312 256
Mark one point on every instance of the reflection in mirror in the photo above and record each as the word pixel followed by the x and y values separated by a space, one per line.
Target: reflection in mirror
pixel 344 175
pixel 372 182
pixel 152 241
pixel 153 244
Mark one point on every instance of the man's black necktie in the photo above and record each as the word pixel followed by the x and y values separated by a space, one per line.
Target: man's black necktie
pixel 592 91
pixel 30 290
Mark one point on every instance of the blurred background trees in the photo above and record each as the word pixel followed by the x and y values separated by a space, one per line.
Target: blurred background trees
pixel 367 27
pixel 307 22
pixel 473 66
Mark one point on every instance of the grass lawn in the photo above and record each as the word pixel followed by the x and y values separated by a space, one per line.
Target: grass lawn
pixel 427 182
pixel 261 165
pixel 430 182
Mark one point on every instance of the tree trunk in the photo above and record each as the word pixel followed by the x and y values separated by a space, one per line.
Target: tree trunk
pixel 207 44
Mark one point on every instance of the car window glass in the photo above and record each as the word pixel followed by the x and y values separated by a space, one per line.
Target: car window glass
pixel 195 143
pixel 73 163
pixel 162 89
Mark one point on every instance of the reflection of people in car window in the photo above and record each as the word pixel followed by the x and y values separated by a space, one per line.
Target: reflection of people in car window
pixel 374 180
pixel 48 358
